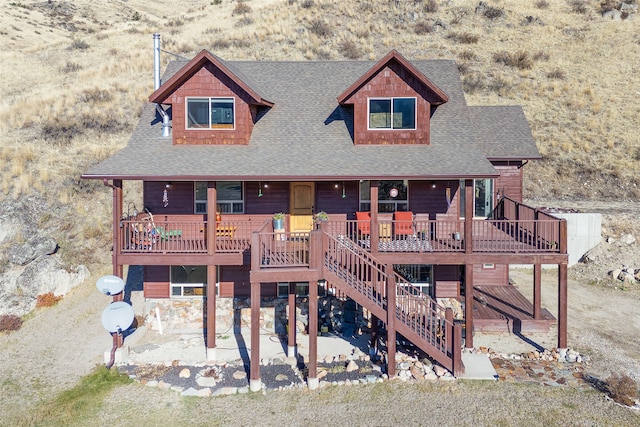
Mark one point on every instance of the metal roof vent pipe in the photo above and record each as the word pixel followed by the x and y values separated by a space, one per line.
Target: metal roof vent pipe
pixel 166 125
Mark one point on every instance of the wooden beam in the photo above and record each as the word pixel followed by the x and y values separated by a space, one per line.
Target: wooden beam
pixel 312 377
pixel 468 305
pixel 254 376
pixel 212 207
pixel 291 333
pixel 374 229
pixel 562 306
pixel 391 322
pixel 210 326
pixel 117 231
pixel 537 290
pixel 461 258
pixel 469 201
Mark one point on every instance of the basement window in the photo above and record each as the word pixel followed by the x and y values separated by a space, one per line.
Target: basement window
pixel 188 280
pixel 210 113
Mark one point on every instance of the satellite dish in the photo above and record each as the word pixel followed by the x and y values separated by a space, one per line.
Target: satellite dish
pixel 110 285
pixel 117 317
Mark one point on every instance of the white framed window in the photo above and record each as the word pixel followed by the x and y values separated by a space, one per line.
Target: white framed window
pixel 488 266
pixel 393 196
pixel 483 198
pixel 419 275
pixel 392 113
pixel 230 197
pixel 188 280
pixel 210 113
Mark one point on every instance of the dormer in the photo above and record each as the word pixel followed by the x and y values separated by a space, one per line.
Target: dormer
pixel 392 103
pixel 210 103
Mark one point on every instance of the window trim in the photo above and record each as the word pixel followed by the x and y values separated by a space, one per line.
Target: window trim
pixel 392 99
pixel 395 201
pixel 463 201
pixel 210 126
pixel 197 201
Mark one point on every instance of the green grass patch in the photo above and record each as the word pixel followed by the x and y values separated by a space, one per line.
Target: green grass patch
pixel 80 404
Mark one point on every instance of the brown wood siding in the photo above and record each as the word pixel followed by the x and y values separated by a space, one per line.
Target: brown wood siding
pixel 234 283
pixel 499 275
pixel 433 201
pixel 329 198
pixel 156 281
pixel 392 81
pixel 209 81
pixel 180 195
pixel 275 198
pixel 446 280
pixel 510 181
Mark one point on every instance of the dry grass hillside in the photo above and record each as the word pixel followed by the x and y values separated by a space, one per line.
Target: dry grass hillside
pixel 75 76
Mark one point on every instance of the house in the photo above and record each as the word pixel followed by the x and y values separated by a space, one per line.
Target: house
pixel 420 196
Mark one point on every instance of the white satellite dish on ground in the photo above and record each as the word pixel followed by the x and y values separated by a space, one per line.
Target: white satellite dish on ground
pixel 110 285
pixel 117 317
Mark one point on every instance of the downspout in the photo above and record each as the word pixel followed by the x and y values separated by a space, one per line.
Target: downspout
pixel 166 126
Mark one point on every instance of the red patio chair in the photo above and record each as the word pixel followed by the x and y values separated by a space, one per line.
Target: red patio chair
pixel 404 223
pixel 364 223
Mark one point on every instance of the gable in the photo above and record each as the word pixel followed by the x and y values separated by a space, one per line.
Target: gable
pixel 392 82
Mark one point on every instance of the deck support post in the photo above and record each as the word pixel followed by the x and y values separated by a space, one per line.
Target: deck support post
pixel 468 305
pixel 291 324
pixel 210 313
pixel 374 228
pixel 312 376
pixel 562 306
pixel 537 289
pixel 375 331
pixel 118 268
pixel 391 322
pixel 469 196
pixel 254 378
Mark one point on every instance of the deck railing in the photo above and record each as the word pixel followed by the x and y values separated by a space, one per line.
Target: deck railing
pixel 148 235
pixel 283 249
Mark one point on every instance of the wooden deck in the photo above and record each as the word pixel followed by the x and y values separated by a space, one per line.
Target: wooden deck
pixel 505 309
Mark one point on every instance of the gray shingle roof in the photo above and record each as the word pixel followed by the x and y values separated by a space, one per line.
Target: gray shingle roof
pixel 306 133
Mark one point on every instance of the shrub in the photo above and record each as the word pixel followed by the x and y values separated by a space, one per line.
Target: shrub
pixel 320 28
pixel 468 55
pixel 70 67
pixel 423 27
pixel 430 6
pixel 519 59
pixel 622 389
pixel 241 8
pixel 464 38
pixel 47 300
pixel 79 45
pixel 473 82
pixel 556 74
pixel 350 49
pixel 542 4
pixel 578 6
pixel 10 322
pixel 493 12
pixel 306 4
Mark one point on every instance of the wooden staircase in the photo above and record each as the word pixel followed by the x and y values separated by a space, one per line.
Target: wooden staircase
pixel 375 286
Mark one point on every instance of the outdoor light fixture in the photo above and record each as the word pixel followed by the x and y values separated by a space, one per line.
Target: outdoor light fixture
pixel 433 185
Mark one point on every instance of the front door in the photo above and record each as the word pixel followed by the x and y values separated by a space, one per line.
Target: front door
pixel 301 204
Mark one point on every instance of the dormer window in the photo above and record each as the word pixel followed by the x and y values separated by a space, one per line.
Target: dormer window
pixel 392 113
pixel 210 113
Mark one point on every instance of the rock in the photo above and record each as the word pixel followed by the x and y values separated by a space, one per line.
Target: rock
pixel 430 376
pixel 627 239
pixel 404 366
pixel 282 377
pixel 152 383
pixel 239 375
pixel 321 374
pixel 439 370
pixel 185 373
pixel 328 359
pixel 613 14
pixel 29 251
pixel 615 274
pixel 352 366
pixel 206 381
pixel 417 372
